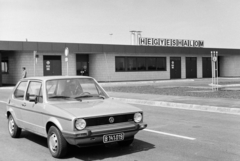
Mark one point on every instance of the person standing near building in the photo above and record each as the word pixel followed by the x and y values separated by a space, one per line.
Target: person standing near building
pixel 24 73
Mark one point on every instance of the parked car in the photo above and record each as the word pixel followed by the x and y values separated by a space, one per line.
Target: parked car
pixel 71 110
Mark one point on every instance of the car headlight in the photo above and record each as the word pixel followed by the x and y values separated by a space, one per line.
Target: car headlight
pixel 80 124
pixel 138 117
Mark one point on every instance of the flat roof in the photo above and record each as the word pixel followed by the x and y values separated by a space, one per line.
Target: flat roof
pixel 105 48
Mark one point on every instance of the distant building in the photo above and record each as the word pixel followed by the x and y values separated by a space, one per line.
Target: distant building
pixel 115 62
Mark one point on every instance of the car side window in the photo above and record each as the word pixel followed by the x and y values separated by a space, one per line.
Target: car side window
pixel 34 89
pixel 20 90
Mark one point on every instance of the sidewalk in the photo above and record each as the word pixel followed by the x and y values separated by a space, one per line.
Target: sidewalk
pixel 221 105
pixel 230 106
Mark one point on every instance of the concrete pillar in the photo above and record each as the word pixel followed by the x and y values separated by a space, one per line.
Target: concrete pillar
pixel 133 41
pixel 138 36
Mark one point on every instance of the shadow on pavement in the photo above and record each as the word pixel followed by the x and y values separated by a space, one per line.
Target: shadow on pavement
pixel 95 152
pixel 34 138
pixel 109 151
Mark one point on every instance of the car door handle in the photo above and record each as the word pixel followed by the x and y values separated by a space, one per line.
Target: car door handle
pixel 24 104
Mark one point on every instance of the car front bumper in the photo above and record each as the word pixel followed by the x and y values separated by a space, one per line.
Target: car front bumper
pixel 94 135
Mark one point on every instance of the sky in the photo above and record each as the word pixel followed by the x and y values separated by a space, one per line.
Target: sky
pixel 216 22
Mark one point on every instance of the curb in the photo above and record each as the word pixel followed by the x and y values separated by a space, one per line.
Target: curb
pixel 145 82
pixel 207 108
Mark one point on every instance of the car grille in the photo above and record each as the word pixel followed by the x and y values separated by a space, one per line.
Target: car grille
pixel 105 120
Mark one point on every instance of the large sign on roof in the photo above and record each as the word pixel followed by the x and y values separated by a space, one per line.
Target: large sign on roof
pixel 170 42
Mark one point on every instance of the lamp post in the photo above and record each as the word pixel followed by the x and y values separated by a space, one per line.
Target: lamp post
pixel 214 58
pixel 66 58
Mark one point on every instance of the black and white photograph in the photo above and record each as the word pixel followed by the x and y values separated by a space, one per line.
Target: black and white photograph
pixel 120 80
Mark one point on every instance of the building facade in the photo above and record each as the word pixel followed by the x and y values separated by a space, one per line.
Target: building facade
pixel 113 62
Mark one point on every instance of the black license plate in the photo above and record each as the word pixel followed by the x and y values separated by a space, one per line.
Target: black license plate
pixel 113 137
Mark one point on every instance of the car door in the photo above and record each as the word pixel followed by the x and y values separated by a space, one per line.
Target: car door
pixel 33 110
pixel 16 102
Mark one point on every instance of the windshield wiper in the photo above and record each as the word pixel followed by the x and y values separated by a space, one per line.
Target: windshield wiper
pixel 83 96
pixel 59 97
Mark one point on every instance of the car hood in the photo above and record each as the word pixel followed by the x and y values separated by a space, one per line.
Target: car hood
pixel 96 108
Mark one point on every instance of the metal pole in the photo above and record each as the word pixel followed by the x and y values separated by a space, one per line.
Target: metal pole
pixel 214 72
pixel 67 68
pixel 66 58
pixel 217 68
pixel 212 68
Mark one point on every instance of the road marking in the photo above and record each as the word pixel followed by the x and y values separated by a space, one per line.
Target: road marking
pixel 3 102
pixel 174 135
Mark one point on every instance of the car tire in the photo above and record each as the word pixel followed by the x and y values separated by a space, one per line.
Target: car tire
pixel 57 144
pixel 125 143
pixel 13 129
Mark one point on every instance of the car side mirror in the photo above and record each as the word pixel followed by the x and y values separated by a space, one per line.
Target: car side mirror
pixel 33 99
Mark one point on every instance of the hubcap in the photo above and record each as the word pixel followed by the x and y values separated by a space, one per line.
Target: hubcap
pixel 11 126
pixel 53 143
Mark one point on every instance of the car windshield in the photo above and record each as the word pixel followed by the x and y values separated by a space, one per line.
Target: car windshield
pixel 74 88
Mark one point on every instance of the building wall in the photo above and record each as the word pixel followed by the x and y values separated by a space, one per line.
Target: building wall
pixel 16 61
pixel 102 66
pixel 19 59
pixel 183 67
pixel 229 66
pixel 199 67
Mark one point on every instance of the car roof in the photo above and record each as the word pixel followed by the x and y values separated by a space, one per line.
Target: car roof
pixel 45 78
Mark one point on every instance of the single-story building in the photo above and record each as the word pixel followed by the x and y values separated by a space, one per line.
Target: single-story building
pixel 113 62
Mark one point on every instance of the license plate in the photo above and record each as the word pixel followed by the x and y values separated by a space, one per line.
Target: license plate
pixel 113 137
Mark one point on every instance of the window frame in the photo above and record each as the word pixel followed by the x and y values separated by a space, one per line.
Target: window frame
pixel 124 64
pixel 5 61
pixel 40 94
pixel 137 62
pixel 24 92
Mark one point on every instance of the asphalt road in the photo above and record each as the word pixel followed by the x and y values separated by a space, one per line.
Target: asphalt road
pixel 172 135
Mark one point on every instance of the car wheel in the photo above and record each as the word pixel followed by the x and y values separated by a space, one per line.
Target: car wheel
pixel 13 129
pixel 56 143
pixel 125 143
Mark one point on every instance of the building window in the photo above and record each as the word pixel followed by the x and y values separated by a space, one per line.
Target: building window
pixel 151 64
pixel 140 64
pixel 161 63
pixel 4 66
pixel 131 64
pixel 120 64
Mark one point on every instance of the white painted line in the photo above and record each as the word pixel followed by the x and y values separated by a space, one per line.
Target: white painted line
pixel 174 135
pixel 3 102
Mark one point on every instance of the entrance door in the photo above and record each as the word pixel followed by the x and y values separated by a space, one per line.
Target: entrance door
pixel 175 67
pixel 52 65
pixel 82 64
pixel 191 67
pixel 207 67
